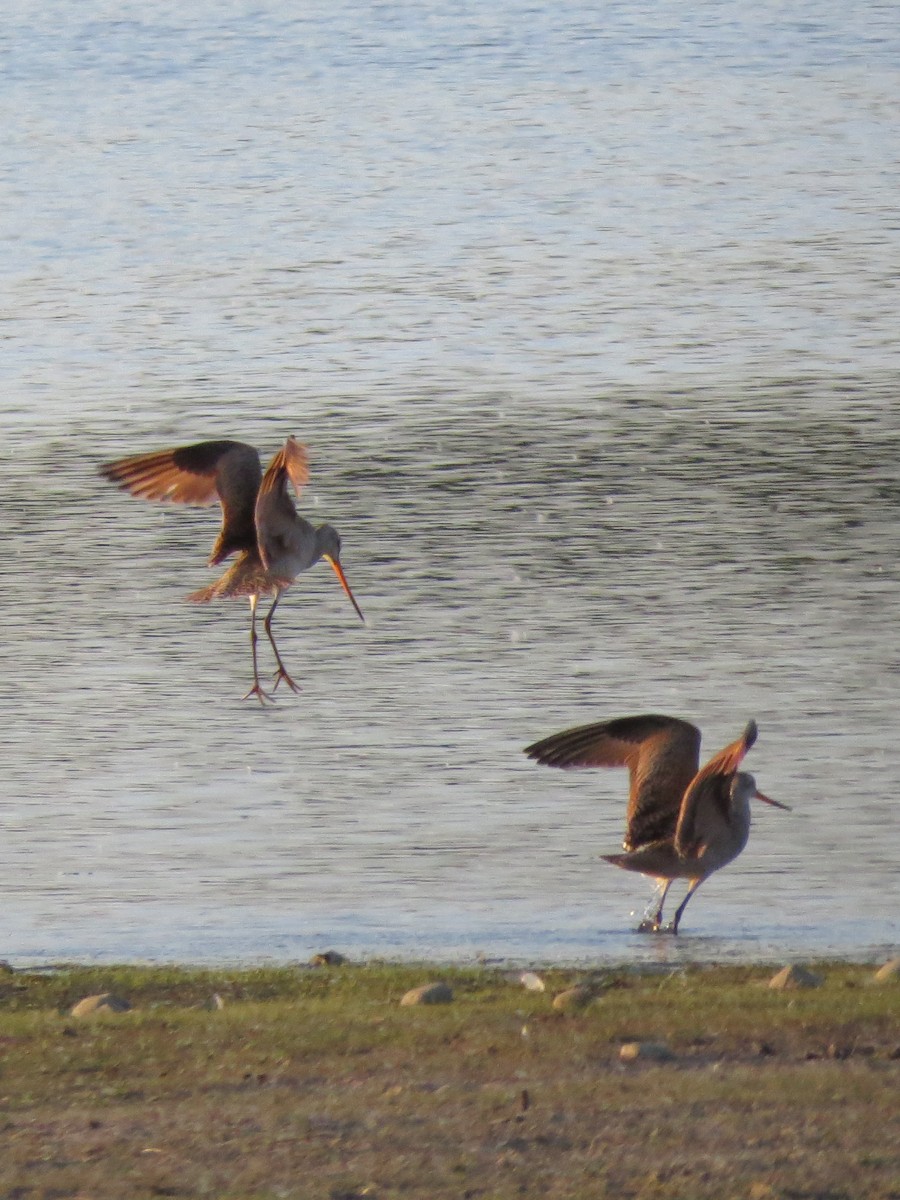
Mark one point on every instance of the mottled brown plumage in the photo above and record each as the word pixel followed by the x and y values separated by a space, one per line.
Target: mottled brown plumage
pixel 682 822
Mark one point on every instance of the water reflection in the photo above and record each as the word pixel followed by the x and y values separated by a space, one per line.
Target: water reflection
pixel 591 329
pixel 518 577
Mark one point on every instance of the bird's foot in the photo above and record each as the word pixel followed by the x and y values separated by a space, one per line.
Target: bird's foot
pixel 280 674
pixel 262 696
pixel 649 925
pixel 655 925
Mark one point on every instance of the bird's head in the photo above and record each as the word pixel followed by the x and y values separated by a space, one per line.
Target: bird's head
pixel 328 542
pixel 744 789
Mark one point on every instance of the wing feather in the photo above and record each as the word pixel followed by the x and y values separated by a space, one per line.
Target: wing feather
pixel 661 753
pixel 276 513
pixel 710 787
pixel 223 470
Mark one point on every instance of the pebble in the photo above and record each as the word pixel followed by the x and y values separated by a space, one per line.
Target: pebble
pixel 429 993
pixel 105 1002
pixel 649 1051
pixel 574 998
pixel 328 958
pixel 889 972
pixel 795 977
pixel 532 982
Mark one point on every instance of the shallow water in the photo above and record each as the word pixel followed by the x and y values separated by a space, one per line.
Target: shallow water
pixel 590 327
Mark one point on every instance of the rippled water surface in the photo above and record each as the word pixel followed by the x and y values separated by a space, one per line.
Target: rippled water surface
pixel 588 316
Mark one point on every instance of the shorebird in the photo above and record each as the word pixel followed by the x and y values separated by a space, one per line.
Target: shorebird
pixel 259 522
pixel 682 822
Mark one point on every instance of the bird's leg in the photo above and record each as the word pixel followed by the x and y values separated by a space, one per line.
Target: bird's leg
pixel 653 924
pixel 257 689
pixel 694 884
pixel 282 670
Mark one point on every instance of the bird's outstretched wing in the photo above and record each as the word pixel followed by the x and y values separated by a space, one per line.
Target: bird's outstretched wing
pixel 712 786
pixel 276 515
pixel 661 753
pixel 203 473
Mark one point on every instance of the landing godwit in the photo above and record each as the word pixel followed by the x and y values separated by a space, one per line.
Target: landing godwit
pixel 682 823
pixel 259 522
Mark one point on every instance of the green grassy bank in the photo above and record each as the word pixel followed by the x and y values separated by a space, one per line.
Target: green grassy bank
pixel 316 1083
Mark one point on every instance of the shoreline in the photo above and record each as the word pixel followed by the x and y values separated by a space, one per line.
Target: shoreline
pixel 676 960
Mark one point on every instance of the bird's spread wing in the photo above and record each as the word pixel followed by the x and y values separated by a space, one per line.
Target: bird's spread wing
pixel 661 753
pixel 710 787
pixel 275 512
pixel 227 471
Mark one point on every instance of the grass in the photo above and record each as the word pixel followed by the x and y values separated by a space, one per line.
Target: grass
pixel 316 1084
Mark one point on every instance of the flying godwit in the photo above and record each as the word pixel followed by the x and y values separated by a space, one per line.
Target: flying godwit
pixel 682 823
pixel 259 522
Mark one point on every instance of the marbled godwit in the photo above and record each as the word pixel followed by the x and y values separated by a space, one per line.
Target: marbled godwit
pixel 259 521
pixel 682 823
